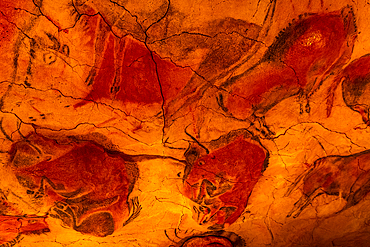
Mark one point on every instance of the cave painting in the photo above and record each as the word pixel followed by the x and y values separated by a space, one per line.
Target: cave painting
pixel 221 181
pixel 82 182
pixel 140 76
pixel 184 123
pixel 213 238
pixel 344 176
pixel 123 68
pixel 355 79
pixel 324 41
pixel 13 227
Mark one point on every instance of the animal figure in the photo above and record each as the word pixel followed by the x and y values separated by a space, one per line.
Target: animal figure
pixel 221 181
pixel 234 46
pixel 297 62
pixel 355 80
pixel 132 73
pixel 88 61
pixel 12 227
pixel 42 54
pixel 80 181
pixel 14 223
pixel 344 176
pixel 208 239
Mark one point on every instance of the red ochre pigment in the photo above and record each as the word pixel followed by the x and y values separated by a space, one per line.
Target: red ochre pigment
pixel 222 181
pixel 83 182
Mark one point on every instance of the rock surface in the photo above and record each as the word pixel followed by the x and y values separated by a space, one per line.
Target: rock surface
pixel 184 123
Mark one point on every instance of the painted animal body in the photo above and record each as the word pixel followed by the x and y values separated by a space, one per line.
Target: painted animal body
pixel 14 223
pixel 12 227
pixel 213 238
pixel 133 74
pixel 89 61
pixel 221 182
pixel 301 57
pixel 83 182
pixel 345 176
pixel 355 79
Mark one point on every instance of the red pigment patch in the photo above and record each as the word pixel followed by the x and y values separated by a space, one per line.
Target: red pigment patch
pixel 223 180
pixel 173 78
pixel 139 75
pixel 86 166
pixel 8 18
pixel 96 177
pixel 315 45
pixel 319 46
pixel 105 76
pixel 298 60
pixel 256 88
pixel 359 68
pixel 12 226
pixel 335 175
pixel 139 83
pixel 355 80
pixel 208 241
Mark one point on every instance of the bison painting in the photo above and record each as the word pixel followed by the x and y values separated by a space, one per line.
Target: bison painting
pixel 344 176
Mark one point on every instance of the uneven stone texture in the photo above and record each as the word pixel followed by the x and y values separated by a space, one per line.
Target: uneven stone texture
pixel 184 123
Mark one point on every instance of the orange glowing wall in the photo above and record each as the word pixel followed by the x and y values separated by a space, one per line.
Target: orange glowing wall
pixel 184 123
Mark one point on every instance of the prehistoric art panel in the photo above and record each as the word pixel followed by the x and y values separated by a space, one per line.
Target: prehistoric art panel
pixel 184 123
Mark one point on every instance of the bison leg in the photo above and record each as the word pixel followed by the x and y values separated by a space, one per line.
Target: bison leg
pixel 259 127
pixel 98 224
pixel 356 196
pixel 40 193
pixel 119 46
pixel 59 188
pixel 102 34
pixel 64 212
pixel 82 205
pixel 303 202
pixel 297 181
